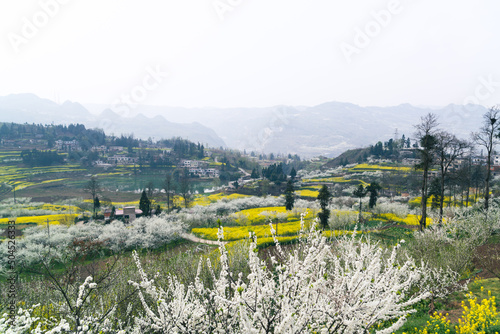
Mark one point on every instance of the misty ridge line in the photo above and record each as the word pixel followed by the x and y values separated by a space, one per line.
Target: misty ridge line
pixel 326 130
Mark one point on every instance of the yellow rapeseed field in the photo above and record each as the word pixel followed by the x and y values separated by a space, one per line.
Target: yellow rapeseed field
pixel 258 216
pixel 408 220
pixel 41 220
pixel 307 193
pixel 203 200
pixel 261 231
pixel 368 167
pixel 54 207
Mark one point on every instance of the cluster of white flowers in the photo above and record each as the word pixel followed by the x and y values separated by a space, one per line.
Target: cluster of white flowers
pixel 39 242
pixel 385 206
pixel 305 204
pixel 341 220
pixel 347 288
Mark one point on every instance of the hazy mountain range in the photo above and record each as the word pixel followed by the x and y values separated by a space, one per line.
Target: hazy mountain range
pixel 327 129
pixel 21 108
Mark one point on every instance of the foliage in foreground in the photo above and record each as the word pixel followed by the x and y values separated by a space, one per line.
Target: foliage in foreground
pixel 349 287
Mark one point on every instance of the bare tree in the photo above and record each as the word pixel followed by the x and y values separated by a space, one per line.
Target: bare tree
pixel 488 138
pixel 425 133
pixel 448 149
pixel 150 189
pixel 184 188
pixel 168 186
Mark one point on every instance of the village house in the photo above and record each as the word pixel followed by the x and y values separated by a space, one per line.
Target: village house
pixel 121 159
pixel 67 145
pixel 205 172
pixel 116 148
pixel 100 163
pixel 128 213
pixel 101 148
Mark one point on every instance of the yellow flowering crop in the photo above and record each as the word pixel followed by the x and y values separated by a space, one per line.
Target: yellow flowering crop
pixel 206 200
pixel 307 193
pixel 447 201
pixel 368 167
pixel 40 220
pixel 335 179
pixel 408 220
pixel 261 231
pixel 477 317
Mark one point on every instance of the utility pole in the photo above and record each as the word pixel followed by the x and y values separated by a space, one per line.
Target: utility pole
pixel 48 233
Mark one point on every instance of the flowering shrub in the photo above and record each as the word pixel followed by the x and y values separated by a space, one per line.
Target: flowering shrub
pixel 39 242
pixel 351 286
pixel 317 173
pixel 343 219
pixel 316 289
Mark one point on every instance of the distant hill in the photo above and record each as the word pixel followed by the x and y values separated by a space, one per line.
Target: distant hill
pixel 357 155
pixel 29 108
pixel 327 129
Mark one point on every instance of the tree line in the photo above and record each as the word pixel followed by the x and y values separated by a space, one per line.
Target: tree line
pixel 440 148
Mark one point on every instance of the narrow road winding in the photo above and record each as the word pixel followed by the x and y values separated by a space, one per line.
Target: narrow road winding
pixel 194 238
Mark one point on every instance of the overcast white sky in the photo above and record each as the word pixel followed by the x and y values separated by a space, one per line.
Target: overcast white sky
pixel 260 53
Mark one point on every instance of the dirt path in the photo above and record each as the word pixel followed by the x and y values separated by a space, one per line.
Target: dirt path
pixel 194 238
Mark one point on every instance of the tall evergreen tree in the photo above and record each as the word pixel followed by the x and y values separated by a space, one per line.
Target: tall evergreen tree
pixel 426 134
pixel 324 197
pixel 289 196
pixel 144 204
pixel 373 189
pixel 97 205
pixel 255 174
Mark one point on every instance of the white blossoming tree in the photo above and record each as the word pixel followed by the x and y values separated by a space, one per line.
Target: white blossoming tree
pixel 346 288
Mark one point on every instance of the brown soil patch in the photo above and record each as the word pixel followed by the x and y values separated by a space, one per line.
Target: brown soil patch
pixel 454 314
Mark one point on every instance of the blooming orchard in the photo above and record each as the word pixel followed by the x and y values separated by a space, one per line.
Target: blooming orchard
pixel 319 288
